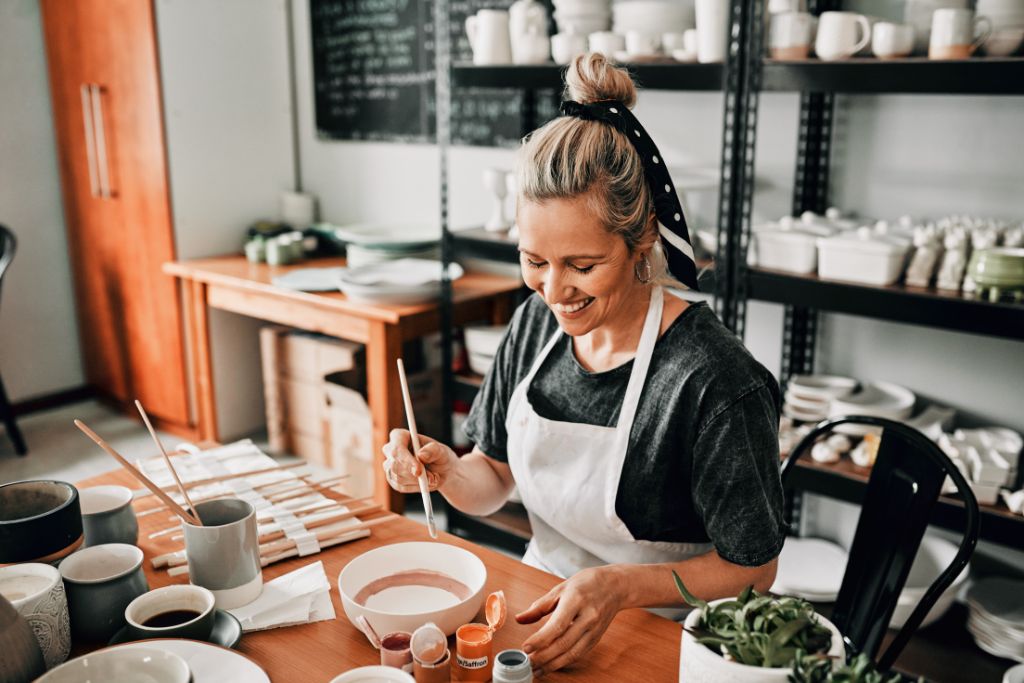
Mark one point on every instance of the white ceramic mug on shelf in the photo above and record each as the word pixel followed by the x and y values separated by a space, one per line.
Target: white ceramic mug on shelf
pixel 566 46
pixel 642 43
pixel 607 43
pixel 712 21
pixel 889 41
pixel 488 34
pixel 674 40
pixel 791 35
pixel 837 35
pixel 956 34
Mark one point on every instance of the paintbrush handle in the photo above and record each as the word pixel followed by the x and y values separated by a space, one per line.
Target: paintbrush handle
pixel 421 479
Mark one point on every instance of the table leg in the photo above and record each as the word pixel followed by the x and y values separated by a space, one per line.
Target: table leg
pixel 384 395
pixel 202 361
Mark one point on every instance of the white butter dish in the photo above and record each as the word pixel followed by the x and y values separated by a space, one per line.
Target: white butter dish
pixel 862 256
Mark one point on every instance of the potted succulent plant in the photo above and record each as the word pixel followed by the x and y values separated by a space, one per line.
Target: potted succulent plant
pixel 757 638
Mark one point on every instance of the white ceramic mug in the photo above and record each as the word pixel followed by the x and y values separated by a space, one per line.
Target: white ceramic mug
pixel 837 35
pixel 642 43
pixel 607 43
pixel 566 46
pixel 531 48
pixel 890 40
pixel 37 592
pixel 954 33
pixel 791 35
pixel 676 40
pixel 489 37
pixel 712 20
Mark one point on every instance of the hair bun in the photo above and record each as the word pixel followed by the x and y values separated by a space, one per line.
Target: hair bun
pixel 592 78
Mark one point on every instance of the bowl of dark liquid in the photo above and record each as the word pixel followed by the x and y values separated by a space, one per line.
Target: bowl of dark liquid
pixel 172 612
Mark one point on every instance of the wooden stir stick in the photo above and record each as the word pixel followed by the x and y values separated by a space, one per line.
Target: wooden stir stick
pixel 142 478
pixel 428 508
pixel 167 459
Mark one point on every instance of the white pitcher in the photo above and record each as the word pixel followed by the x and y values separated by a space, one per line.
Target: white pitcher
pixel 488 33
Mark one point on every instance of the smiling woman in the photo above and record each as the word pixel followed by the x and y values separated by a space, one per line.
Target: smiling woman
pixel 641 434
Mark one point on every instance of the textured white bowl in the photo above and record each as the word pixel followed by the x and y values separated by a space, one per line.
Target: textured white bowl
pixel 933 557
pixel 122 664
pixel 457 563
pixel 698 664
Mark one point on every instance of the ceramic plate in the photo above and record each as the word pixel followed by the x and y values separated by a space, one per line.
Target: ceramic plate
pixel 310 279
pixel 226 631
pixel 810 567
pixel 1000 599
pixel 209 663
pixel 383 235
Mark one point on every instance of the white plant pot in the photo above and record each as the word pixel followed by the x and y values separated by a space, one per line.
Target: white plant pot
pixel 698 664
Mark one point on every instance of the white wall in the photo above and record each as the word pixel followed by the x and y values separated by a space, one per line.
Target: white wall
pixel 39 350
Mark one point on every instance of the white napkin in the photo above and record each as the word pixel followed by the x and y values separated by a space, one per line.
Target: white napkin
pixel 299 597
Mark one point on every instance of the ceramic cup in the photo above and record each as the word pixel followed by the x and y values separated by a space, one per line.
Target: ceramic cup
pixel 567 46
pixel 165 601
pixel 224 553
pixel 642 43
pixel 712 21
pixel 488 33
pixel 100 582
pixel 607 43
pixel 889 41
pixel 791 35
pixel 37 592
pixel 957 33
pixel 107 515
pixel 673 41
pixel 40 521
pixel 837 35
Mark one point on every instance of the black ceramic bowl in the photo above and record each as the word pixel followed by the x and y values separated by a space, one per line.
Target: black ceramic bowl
pixel 40 521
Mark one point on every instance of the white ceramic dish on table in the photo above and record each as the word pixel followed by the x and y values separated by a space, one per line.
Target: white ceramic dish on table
pixel 862 256
pixel 395 235
pixel 150 663
pixel 374 674
pixel 405 281
pixel 209 663
pixel 791 249
pixel 406 608
pixel 933 557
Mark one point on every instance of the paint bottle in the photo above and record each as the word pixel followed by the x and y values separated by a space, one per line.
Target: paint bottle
pixel 431 660
pixel 512 666
pixel 394 651
pixel 474 642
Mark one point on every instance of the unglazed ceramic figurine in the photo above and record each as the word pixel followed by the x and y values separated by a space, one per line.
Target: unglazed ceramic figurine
pixel 954 261
pixel 927 250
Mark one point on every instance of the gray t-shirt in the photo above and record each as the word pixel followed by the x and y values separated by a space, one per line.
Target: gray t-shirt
pixel 703 457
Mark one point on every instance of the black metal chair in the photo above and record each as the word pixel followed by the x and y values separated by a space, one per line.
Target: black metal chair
pixel 7 247
pixel 905 484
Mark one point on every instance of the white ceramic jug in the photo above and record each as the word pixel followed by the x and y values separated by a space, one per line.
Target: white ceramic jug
pixel 488 33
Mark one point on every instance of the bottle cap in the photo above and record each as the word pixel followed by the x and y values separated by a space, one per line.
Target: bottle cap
pixel 428 644
pixel 495 610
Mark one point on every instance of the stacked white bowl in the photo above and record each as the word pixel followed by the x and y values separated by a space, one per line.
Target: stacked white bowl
pixel 1007 18
pixel 809 397
pixel 582 17
pixel 996 617
pixel 652 16
pixel 482 343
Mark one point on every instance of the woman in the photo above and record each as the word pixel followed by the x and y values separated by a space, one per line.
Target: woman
pixel 642 436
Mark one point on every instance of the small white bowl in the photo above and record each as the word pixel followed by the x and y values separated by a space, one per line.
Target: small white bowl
pixel 374 674
pixel 411 606
pixel 122 664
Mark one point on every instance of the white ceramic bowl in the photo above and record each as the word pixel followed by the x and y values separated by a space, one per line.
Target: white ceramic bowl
pixel 1015 674
pixel 657 16
pixel 878 399
pixel 1004 42
pixel 408 608
pixel 933 557
pixel 374 674
pixel 698 663
pixel 480 363
pixel 484 339
pixel 122 664
pixel 821 387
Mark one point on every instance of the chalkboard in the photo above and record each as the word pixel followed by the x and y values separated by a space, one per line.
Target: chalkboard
pixel 373 70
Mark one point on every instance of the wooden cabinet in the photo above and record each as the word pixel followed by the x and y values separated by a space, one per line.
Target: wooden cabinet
pixel 106 98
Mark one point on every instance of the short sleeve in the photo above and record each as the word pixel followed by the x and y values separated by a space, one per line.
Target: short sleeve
pixel 736 486
pixel 485 425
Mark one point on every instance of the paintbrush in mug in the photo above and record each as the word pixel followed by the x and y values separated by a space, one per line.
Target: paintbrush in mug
pixel 428 508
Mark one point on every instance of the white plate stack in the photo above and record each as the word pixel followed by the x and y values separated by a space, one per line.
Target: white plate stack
pixel 1007 19
pixel 582 17
pixel 996 618
pixel 876 399
pixel 406 281
pixel 809 397
pixel 810 568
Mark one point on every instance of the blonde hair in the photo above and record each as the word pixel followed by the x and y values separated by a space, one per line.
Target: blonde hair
pixel 572 158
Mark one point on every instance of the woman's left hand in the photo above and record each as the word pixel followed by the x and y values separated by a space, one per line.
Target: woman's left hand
pixel 581 608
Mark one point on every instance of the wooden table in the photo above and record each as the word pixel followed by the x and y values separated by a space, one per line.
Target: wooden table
pixel 637 646
pixel 233 284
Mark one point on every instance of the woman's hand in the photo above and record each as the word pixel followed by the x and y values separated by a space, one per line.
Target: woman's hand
pixel 581 609
pixel 403 469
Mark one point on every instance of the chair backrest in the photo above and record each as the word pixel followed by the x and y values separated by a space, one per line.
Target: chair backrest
pixel 8 245
pixel 905 484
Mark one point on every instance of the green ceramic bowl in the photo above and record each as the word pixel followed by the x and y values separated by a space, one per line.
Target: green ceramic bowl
pixel 998 267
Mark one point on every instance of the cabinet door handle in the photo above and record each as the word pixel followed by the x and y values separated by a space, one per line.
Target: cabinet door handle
pixel 102 163
pixel 90 142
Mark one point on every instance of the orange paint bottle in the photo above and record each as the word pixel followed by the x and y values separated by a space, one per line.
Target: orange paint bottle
pixel 474 642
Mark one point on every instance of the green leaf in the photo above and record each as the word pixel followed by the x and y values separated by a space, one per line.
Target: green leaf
pixel 688 597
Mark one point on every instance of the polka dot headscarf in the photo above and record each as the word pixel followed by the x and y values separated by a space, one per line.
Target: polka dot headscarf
pixel 675 238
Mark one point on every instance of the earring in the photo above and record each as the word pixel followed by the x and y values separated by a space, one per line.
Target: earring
pixel 643 271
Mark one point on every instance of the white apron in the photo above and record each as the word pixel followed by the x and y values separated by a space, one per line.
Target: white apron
pixel 568 476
